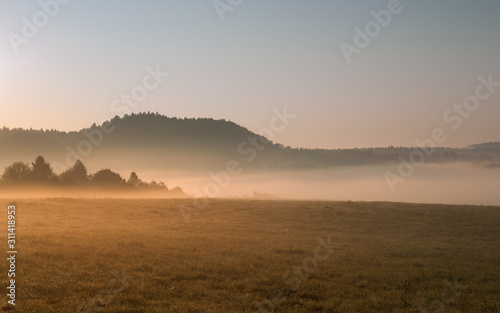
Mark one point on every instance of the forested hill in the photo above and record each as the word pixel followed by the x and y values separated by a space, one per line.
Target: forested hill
pixel 148 141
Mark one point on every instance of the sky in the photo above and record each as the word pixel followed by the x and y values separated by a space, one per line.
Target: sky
pixel 239 60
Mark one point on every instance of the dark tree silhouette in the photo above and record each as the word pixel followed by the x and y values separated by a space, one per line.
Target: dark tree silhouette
pixel 134 180
pixel 76 175
pixel 157 185
pixel 41 172
pixel 107 177
pixel 17 172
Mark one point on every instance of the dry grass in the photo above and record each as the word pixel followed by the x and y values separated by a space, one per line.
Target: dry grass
pixel 392 257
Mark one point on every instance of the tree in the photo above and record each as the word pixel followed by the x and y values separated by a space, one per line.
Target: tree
pixel 42 171
pixel 75 175
pixel 18 172
pixel 157 185
pixel 178 191
pixel 134 180
pixel 107 177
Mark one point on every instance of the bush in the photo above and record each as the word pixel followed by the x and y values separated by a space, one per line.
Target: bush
pixel 107 177
pixel 18 172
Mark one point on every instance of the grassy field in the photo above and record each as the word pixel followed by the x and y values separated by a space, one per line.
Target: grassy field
pixel 108 255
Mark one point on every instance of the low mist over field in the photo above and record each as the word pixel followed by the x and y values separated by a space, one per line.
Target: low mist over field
pixel 429 184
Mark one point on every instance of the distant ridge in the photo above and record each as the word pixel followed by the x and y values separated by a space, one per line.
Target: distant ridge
pixel 487 145
pixel 151 141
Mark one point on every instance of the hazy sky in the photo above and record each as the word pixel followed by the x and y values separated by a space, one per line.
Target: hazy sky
pixel 264 55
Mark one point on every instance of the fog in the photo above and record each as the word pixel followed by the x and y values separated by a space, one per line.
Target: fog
pixel 447 183
pixel 430 183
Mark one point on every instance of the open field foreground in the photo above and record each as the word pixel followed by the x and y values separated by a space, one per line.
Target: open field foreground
pixel 85 255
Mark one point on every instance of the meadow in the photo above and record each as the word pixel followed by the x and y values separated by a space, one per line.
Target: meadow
pixel 140 255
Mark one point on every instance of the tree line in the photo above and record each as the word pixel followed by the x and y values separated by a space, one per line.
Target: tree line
pixel 40 172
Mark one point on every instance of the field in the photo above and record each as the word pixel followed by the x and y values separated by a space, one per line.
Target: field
pixel 109 255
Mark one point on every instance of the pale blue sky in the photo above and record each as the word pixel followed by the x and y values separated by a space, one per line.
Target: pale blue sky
pixel 264 55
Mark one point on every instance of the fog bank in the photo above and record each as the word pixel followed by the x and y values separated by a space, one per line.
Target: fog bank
pixel 431 183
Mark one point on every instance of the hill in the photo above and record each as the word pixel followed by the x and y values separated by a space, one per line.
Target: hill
pixel 148 141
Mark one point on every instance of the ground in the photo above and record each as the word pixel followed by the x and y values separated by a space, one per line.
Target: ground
pixel 111 255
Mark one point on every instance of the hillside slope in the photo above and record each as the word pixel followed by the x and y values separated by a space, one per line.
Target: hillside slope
pixel 149 141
